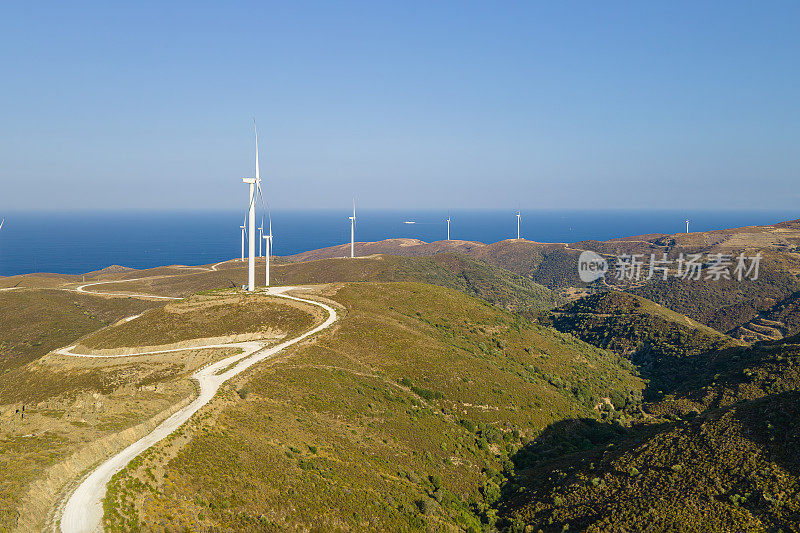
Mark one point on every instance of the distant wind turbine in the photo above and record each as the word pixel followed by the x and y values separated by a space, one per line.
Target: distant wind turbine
pixel 260 236
pixel 519 216
pixel 243 228
pixel 268 238
pixel 448 226
pixel 353 231
pixel 687 225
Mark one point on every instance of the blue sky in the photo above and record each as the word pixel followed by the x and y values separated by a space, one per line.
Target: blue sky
pixel 406 104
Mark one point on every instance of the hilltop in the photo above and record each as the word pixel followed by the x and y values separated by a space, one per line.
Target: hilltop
pixel 723 305
pixel 496 285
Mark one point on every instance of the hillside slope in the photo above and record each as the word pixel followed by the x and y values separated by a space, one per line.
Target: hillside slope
pixel 402 417
pixel 779 321
pixel 648 334
pixel 721 455
pixel 35 321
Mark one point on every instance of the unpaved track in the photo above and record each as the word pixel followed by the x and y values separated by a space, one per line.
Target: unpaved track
pixel 83 512
pixel 82 288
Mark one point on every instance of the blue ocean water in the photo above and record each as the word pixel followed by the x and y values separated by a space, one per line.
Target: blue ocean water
pixel 77 242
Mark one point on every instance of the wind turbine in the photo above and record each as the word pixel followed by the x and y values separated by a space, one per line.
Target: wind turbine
pixel 255 185
pixel 687 225
pixel 260 236
pixel 1 222
pixel 266 209
pixel 243 228
pixel 448 226
pixel 353 231
pixel 268 238
pixel 519 216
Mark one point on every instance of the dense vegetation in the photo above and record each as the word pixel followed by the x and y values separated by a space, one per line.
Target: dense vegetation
pixel 780 320
pixel 718 454
pixel 646 333
pixel 425 408
pixel 725 304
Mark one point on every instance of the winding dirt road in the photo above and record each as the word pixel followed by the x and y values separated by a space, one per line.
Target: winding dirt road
pixel 83 511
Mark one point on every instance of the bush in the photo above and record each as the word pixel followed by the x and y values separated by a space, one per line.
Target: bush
pixel 426 506
pixel 491 492
pixel 469 425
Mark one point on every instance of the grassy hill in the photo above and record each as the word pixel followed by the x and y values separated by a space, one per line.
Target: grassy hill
pixel 206 316
pixel 402 417
pixel 59 415
pixel 36 321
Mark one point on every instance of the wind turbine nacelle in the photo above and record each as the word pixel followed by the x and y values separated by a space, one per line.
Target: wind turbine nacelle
pixel 249 180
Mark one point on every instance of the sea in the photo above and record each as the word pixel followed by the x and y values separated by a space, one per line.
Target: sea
pixel 76 242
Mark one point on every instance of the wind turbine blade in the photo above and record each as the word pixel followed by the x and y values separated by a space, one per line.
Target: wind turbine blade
pixel 2 222
pixel 258 173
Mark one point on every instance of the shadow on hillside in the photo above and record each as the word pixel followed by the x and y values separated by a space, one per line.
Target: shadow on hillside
pixel 771 422
pixel 686 375
pixel 576 443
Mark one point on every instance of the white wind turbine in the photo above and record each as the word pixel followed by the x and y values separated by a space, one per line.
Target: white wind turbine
pixel 353 231
pixel 242 227
pixel 265 208
pixel 687 225
pixel 519 216
pixel 448 226
pixel 255 186
pixel 268 238
pixel 260 236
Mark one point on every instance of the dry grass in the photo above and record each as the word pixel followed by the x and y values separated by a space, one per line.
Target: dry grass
pixel 79 410
pixel 36 321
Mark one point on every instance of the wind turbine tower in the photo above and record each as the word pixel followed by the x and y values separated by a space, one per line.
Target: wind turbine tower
pixel 519 216
pixel 687 225
pixel 251 242
pixel 353 231
pixel 448 227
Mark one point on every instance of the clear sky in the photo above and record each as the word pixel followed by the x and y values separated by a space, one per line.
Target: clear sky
pixel 558 104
